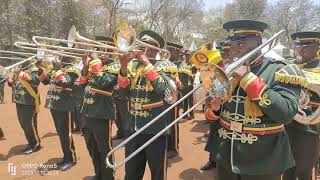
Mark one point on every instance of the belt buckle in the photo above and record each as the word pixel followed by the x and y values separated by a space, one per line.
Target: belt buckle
pixel 236 126
pixel 137 106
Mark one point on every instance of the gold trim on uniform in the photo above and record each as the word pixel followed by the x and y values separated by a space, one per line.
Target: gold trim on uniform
pixel 21 92
pixel 53 97
pixel 241 118
pixel 88 101
pixel 250 138
pixel 143 114
pixel 140 100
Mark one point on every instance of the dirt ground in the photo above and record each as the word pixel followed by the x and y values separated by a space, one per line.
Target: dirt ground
pixel 185 166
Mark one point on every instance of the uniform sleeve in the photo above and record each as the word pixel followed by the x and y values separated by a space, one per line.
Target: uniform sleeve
pixel 30 77
pixel 157 79
pixel 104 79
pixel 65 80
pixel 45 77
pixel 280 100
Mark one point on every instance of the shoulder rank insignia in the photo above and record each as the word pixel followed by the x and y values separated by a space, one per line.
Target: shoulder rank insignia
pixel 112 68
pixel 167 66
pixel 291 74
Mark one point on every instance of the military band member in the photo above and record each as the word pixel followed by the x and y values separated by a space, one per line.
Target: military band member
pixel 250 141
pixel 76 116
pixel 187 75
pixel 304 139
pixel 25 94
pixel 100 76
pixel 60 102
pixel 146 92
pixel 223 48
pixel 121 110
pixel 173 135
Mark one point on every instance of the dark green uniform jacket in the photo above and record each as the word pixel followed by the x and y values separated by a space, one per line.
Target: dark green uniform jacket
pixel 309 129
pixel 99 105
pixel 185 75
pixel 59 96
pixel 258 154
pixel 20 94
pixel 146 98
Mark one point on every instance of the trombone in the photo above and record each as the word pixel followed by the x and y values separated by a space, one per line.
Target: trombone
pixel 125 41
pixel 4 71
pixel 73 37
pixel 8 55
pixel 215 80
pixel 41 54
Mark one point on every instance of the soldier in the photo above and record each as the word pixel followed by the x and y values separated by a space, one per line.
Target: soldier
pixel 146 91
pixel 304 139
pixel 100 76
pixel 60 102
pixel 250 141
pixel 25 94
pixel 76 116
pixel 121 110
pixel 224 49
pixel 187 74
pixel 173 135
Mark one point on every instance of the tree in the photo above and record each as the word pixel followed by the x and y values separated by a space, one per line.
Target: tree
pixel 292 16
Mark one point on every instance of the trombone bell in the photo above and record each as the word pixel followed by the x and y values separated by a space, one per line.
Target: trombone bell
pixel 215 80
pixel 126 38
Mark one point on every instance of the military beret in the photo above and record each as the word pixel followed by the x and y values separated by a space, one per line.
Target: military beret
pixel 178 47
pixel 149 36
pixel 306 38
pixel 243 29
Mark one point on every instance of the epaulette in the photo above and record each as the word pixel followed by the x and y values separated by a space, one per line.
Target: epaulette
pixel 291 74
pixel 72 69
pixel 167 66
pixel 185 69
pixel 132 67
pixel 113 67
pixel 34 69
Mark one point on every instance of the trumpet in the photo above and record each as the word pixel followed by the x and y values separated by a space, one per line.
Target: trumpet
pixel 215 81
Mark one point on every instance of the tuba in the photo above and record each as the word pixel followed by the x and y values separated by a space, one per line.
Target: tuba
pixel 309 110
pixel 204 55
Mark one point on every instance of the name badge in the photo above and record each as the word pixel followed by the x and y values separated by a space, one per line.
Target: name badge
pixel 137 106
pixel 236 126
